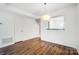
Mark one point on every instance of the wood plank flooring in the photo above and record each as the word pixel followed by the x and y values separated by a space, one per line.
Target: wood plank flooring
pixel 36 46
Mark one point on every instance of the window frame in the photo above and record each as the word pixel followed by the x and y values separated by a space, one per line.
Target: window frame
pixel 54 28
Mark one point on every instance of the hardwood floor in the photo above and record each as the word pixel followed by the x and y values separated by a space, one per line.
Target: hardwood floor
pixel 36 46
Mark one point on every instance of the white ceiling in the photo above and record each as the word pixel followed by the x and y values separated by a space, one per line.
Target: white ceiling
pixel 37 9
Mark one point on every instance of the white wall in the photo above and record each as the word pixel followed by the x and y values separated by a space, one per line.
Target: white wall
pixel 78 25
pixel 65 37
pixel 17 26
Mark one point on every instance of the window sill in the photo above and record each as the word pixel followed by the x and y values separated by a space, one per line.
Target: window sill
pixel 55 29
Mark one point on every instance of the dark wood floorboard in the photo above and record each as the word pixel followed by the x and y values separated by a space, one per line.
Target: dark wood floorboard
pixel 36 46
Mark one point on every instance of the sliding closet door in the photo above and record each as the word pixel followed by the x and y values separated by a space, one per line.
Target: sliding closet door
pixel 18 28
pixel 25 28
pixel 6 29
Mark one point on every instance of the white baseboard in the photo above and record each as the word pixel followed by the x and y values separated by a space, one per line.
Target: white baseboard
pixel 1 46
pixel 6 45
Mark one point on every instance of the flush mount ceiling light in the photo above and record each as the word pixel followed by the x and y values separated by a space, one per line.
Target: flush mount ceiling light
pixel 45 3
pixel 45 17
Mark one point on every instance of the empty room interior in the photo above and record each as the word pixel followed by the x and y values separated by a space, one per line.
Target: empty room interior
pixel 39 28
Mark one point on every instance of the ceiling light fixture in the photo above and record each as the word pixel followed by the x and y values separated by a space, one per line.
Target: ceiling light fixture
pixel 45 16
pixel 45 3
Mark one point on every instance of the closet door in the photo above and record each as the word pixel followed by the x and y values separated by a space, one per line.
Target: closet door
pixel 18 29
pixel 6 31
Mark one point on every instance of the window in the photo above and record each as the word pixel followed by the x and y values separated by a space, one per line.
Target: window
pixel 56 23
